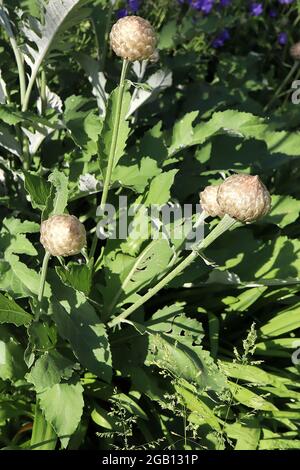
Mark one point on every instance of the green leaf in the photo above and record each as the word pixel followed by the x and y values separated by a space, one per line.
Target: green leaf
pixel 12 365
pixel 252 374
pixel 75 275
pixel 252 259
pixel 29 278
pixel 126 275
pixel 280 444
pixel 58 198
pixel 84 124
pixel 129 404
pixel 8 116
pixel 238 124
pixel 167 35
pixel 8 141
pixel 16 226
pixel 78 323
pixel 285 210
pixel 247 433
pixel 201 413
pixel 171 341
pixel 49 370
pixel 283 322
pixel 136 175
pixel 250 399
pixel 10 312
pixel 62 405
pixel 183 133
pixel 105 137
pixel 38 190
pixel 159 190
pixel 19 244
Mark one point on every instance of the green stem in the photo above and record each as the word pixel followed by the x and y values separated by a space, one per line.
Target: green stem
pixel 43 91
pixel 224 225
pixel 113 146
pixel 115 134
pixel 43 436
pixel 43 280
pixel 285 81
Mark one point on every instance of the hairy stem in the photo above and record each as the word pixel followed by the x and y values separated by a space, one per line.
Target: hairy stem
pixel 224 225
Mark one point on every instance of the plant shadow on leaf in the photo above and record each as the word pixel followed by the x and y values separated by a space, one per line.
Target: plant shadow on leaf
pixel 250 259
pixel 78 323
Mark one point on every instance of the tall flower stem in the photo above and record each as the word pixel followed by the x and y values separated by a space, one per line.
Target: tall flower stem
pixel 113 146
pixel 224 225
pixel 43 436
pixel 282 85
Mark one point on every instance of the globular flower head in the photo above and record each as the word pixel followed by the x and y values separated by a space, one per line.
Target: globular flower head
pixel 63 235
pixel 295 51
pixel 209 203
pixel 133 38
pixel 244 198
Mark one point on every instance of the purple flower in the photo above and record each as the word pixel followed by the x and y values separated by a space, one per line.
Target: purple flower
pixel 282 38
pixel 225 3
pixel 285 2
pixel 220 40
pixel 202 5
pixel 256 9
pixel 133 5
pixel 273 13
pixel 121 13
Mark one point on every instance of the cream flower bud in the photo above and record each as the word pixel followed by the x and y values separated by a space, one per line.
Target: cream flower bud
pixel 63 235
pixel 133 38
pixel 208 201
pixel 244 197
pixel 295 51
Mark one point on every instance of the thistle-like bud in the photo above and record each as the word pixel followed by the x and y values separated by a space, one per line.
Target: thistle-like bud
pixel 244 197
pixel 209 203
pixel 63 235
pixel 295 51
pixel 133 38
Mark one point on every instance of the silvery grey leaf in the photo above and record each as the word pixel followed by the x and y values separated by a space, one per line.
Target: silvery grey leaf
pixel 89 184
pixel 36 138
pixel 41 36
pixel 96 78
pixel 157 82
pixel 5 21
pixel 3 92
pixel 53 102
